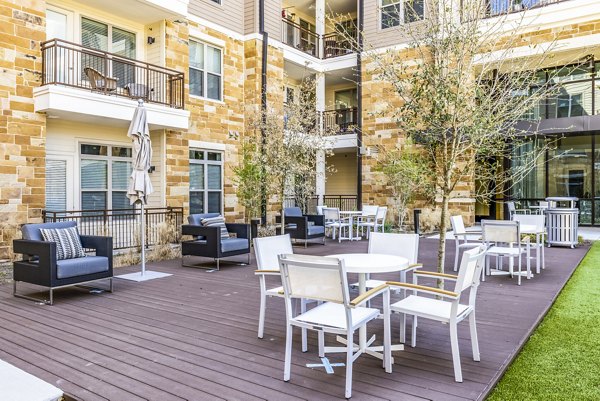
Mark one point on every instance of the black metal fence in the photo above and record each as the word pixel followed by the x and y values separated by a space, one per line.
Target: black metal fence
pixel 498 7
pixel 342 202
pixel 122 224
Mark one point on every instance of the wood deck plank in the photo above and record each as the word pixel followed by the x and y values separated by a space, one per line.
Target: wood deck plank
pixel 193 336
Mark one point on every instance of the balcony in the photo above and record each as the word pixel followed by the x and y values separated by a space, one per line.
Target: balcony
pixel 345 119
pixel 80 82
pixel 498 7
pixel 329 45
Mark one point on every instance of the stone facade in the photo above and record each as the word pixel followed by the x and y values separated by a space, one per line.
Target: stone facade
pixel 22 131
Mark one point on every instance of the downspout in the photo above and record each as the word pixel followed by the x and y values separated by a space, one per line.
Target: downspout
pixel 359 137
pixel 263 95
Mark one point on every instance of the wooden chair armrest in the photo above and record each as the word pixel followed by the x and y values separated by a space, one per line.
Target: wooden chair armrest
pixel 414 266
pixel 267 272
pixel 441 276
pixel 422 288
pixel 368 295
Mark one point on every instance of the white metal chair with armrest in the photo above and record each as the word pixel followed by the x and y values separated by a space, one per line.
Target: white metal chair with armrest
pixel 377 223
pixel 463 239
pixel 366 219
pixel 503 239
pixel 267 250
pixel 512 210
pixel 335 222
pixel 538 223
pixel 446 307
pixel 324 279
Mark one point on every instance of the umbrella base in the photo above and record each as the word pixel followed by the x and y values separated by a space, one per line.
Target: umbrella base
pixel 148 275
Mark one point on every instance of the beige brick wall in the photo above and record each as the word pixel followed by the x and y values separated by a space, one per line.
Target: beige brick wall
pixel 22 132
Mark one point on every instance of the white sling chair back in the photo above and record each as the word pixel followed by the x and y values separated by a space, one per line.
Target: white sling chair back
pixel 504 240
pixel 463 239
pixel 334 221
pixel 324 279
pixel 405 245
pixel 447 307
pixel 267 250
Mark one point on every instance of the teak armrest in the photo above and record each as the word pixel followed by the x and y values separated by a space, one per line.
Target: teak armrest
pixel 369 294
pixel 422 288
pixel 441 276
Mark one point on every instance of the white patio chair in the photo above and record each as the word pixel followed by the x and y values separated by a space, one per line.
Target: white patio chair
pixel 378 223
pixel 267 249
pixel 538 223
pixel 324 279
pixel 446 307
pixel 503 239
pixel 369 212
pixel 335 222
pixel 463 239
pixel 512 210
pixel 405 245
pixel 320 209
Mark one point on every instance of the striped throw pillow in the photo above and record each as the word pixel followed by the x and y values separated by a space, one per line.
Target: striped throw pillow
pixel 218 221
pixel 68 243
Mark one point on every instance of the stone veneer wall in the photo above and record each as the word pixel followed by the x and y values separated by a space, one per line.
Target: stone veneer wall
pixel 22 131
pixel 381 130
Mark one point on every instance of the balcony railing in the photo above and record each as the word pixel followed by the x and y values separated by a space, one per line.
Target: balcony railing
pixel 69 64
pixel 345 119
pixel 121 224
pixel 320 46
pixel 342 202
pixel 498 7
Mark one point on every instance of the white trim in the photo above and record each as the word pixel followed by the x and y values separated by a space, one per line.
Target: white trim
pixel 203 37
pixel 226 31
pixel 207 145
pixel 70 173
pixel 540 48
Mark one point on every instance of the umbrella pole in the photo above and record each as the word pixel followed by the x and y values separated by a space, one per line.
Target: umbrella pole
pixel 143 238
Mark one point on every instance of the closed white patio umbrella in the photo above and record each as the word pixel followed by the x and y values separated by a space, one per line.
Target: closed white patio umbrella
pixel 140 186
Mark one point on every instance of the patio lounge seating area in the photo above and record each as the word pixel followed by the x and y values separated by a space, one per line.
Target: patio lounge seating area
pixel 193 336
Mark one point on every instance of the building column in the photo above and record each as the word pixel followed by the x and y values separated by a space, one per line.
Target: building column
pixel 320 106
pixel 320 26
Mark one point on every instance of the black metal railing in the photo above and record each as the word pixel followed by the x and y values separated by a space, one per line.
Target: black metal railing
pixel 121 224
pixel 70 64
pixel 342 202
pixel 498 7
pixel 345 119
pixel 324 46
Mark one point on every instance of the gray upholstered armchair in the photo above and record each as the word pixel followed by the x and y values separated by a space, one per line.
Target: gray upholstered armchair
pixel 210 241
pixel 303 227
pixel 41 266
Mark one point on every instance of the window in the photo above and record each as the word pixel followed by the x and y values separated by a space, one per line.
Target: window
pixel 205 70
pixel 105 172
pixel 206 181
pixel 56 185
pixel 100 36
pixel 216 1
pixel 407 11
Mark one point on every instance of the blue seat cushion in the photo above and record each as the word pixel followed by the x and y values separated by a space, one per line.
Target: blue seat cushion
pixel 292 212
pixel 234 244
pixel 81 266
pixel 32 231
pixel 315 230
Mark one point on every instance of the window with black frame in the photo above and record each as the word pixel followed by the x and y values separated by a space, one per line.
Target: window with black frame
pixel 393 12
pixel 104 176
pixel 206 181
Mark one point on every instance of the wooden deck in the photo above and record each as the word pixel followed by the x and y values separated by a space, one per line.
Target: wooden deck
pixel 192 336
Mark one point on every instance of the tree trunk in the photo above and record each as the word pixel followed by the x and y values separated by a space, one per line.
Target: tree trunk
pixel 442 244
pixel 282 214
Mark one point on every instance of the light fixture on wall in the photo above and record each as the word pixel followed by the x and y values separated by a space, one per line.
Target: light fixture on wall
pixel 151 39
pixel 152 169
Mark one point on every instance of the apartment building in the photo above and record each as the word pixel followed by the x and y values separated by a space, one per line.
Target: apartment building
pixel 72 71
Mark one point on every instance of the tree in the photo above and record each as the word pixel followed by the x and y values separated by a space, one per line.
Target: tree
pixel 285 142
pixel 248 177
pixel 460 94
pixel 407 176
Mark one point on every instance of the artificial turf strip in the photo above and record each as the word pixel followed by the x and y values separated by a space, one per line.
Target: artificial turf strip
pixel 561 360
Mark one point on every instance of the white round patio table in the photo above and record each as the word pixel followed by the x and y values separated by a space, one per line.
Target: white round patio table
pixel 363 264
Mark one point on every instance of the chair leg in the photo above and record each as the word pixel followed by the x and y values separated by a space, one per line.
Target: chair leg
pixel 403 328
pixel 261 315
pixel 413 339
pixel 455 351
pixel 349 358
pixel 474 340
pixel 110 285
pixel 456 258
pixel 288 353
pixel 51 296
